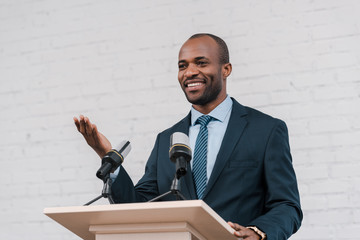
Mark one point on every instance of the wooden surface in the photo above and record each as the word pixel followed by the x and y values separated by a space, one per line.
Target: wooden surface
pixel 195 213
pixel 147 231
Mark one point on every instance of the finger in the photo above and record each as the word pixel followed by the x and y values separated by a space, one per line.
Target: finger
pixel 232 225
pixel 241 234
pixel 88 126
pixel 77 123
pixel 237 234
pixel 240 231
pixel 82 125
pixel 238 227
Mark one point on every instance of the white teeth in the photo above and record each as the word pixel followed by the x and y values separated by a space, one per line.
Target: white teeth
pixel 194 84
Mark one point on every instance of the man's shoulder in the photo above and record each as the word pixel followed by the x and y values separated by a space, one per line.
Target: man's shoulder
pixel 180 126
pixel 255 115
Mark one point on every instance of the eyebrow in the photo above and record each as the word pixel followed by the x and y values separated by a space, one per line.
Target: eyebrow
pixel 197 58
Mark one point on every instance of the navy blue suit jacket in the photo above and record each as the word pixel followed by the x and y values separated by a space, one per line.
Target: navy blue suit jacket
pixel 253 181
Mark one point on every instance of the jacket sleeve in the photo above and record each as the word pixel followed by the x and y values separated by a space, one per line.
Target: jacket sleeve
pixel 123 189
pixel 283 213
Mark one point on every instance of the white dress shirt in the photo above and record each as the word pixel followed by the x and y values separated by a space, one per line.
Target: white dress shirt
pixel 216 131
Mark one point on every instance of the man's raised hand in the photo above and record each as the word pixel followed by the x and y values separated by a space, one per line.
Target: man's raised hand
pixel 93 137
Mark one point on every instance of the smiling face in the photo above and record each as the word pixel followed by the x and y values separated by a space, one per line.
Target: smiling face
pixel 201 75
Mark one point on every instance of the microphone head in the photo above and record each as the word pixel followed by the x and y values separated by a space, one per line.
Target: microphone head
pixel 180 138
pixel 179 146
pixel 113 159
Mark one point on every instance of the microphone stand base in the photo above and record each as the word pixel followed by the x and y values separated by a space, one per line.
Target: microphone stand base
pixel 106 192
pixel 175 190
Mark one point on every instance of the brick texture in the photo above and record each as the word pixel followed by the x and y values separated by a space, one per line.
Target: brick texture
pixel 116 62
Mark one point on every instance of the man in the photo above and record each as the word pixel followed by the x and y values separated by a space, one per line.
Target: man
pixel 249 178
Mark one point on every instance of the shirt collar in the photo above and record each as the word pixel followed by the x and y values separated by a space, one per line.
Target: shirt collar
pixel 219 113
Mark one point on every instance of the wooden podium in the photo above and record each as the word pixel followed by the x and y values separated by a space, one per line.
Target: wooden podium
pixel 176 220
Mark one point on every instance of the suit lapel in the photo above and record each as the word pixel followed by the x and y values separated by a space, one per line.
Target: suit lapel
pixel 187 183
pixel 236 126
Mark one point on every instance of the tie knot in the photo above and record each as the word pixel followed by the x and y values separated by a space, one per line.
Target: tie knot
pixel 204 120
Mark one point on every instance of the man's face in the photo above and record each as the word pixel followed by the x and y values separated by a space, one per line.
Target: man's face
pixel 200 72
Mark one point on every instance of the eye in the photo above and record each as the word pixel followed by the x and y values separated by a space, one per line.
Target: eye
pixel 182 66
pixel 201 63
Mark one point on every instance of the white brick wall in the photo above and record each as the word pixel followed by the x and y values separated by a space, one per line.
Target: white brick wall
pixel 115 61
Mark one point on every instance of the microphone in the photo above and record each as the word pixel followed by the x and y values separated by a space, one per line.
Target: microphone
pixel 180 152
pixel 113 159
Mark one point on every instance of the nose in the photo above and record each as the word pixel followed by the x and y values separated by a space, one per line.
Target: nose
pixel 191 71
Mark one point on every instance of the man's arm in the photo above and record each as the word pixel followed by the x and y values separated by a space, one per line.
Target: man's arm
pixel 283 214
pixel 123 189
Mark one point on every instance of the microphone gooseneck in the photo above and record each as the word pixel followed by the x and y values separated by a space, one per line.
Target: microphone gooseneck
pixel 109 163
pixel 180 154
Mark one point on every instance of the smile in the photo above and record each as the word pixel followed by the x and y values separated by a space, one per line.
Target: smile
pixel 194 84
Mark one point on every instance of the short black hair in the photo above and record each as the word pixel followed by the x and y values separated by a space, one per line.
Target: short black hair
pixel 223 49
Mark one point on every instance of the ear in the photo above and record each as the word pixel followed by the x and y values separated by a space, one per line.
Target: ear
pixel 226 69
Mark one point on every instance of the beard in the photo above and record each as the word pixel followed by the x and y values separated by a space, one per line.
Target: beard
pixel 210 93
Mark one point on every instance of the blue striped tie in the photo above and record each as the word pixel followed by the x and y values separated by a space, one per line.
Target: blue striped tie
pixel 200 156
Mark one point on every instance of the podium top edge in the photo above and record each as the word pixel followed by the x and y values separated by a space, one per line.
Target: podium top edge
pixel 128 206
